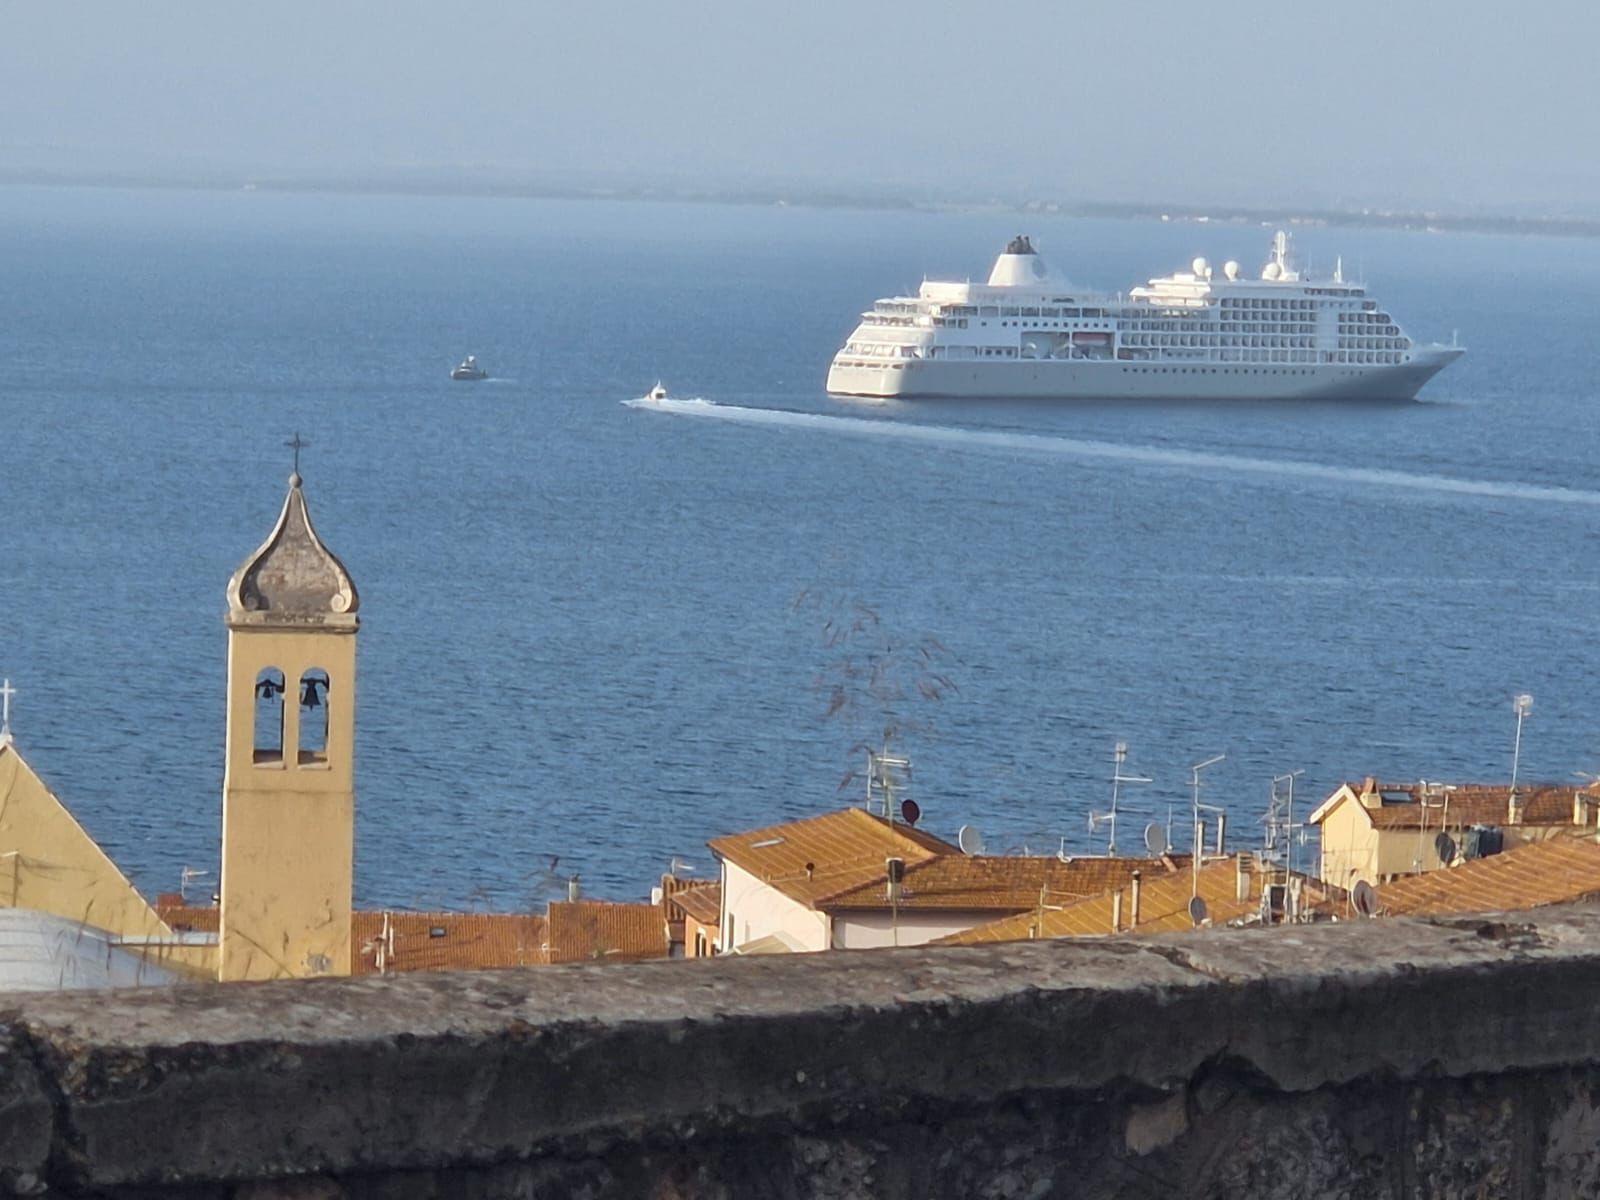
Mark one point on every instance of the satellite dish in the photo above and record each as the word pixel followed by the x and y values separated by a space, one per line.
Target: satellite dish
pixel 910 812
pixel 1445 846
pixel 1155 838
pixel 1365 898
pixel 1197 911
pixel 969 839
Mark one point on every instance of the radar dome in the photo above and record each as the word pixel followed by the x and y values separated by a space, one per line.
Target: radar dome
pixel 1271 271
pixel 1230 269
pixel 1201 268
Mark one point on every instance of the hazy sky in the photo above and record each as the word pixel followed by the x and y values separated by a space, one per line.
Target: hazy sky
pixel 1453 105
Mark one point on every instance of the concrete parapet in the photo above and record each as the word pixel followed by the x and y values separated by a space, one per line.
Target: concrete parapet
pixel 1373 1059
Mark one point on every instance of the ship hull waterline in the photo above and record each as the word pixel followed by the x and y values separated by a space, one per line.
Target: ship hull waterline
pixel 1113 379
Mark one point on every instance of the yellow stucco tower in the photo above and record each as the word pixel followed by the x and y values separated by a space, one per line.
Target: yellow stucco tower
pixel 288 803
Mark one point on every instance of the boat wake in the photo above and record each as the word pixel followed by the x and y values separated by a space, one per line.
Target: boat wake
pixel 1051 445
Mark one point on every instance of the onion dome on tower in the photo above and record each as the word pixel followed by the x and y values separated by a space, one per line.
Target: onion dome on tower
pixel 293 579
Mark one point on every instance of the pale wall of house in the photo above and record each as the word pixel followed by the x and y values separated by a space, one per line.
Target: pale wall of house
pixel 756 909
pixel 872 930
pixel 1349 846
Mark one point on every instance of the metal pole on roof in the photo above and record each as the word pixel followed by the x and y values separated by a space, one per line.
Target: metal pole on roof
pixel 1523 705
pixel 1199 845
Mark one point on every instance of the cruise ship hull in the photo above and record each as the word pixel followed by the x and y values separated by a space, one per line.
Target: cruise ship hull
pixel 1109 379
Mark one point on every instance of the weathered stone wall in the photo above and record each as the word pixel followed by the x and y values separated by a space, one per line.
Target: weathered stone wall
pixel 1383 1059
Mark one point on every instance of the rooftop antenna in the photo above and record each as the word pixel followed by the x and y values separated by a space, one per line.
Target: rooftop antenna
pixel 1523 704
pixel 1119 756
pixel 1280 818
pixel 7 692
pixel 886 773
pixel 1199 845
pixel 187 877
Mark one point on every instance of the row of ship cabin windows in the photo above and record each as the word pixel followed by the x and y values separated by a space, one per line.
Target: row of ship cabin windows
pixel 1203 339
pixel 312 693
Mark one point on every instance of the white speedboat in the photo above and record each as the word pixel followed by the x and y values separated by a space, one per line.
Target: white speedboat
pixel 659 392
pixel 469 369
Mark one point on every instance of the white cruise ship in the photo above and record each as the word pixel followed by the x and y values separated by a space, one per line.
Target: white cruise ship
pixel 1193 335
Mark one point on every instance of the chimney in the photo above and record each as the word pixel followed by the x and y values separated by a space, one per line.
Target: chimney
pixel 1241 877
pixel 1222 834
pixel 1368 795
pixel 1514 808
pixel 1580 808
pixel 896 871
pixel 1133 892
pixel 1116 912
pixel 574 890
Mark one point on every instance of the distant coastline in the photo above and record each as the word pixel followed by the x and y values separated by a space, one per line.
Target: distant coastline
pixel 800 196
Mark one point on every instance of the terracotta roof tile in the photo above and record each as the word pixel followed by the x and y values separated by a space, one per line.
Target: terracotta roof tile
pixel 584 930
pixel 1002 883
pixel 1460 805
pixel 703 902
pixel 1549 872
pixel 413 941
pixel 1163 908
pixel 823 856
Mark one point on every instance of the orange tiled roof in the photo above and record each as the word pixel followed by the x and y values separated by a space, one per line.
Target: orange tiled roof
pixel 1163 908
pixel 1002 883
pixel 824 856
pixel 415 941
pixel 1535 874
pixel 1461 805
pixel 703 902
pixel 412 941
pixel 585 930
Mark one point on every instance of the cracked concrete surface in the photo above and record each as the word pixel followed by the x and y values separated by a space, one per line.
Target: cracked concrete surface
pixel 1344 1058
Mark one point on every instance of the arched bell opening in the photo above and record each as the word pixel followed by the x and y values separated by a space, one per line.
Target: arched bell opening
pixel 268 737
pixel 314 701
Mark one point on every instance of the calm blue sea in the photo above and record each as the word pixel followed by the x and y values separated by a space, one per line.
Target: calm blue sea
pixel 581 634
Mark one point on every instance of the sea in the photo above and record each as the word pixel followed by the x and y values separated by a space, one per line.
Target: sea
pixel 596 634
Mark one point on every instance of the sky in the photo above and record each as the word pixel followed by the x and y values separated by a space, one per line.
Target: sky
pixel 1465 106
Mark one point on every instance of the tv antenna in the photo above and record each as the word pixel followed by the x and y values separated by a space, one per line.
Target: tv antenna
pixel 1199 844
pixel 1281 827
pixel 1119 756
pixel 187 877
pixel 886 774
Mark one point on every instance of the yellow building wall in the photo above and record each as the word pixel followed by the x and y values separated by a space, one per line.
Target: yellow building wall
pixel 50 864
pixel 288 821
pixel 1349 846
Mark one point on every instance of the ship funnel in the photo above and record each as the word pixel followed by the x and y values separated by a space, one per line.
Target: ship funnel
pixel 1019 266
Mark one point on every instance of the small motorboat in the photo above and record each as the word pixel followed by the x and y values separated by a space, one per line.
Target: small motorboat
pixel 469 369
pixel 659 392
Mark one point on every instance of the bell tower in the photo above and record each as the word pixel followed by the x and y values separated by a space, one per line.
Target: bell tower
pixel 288 792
